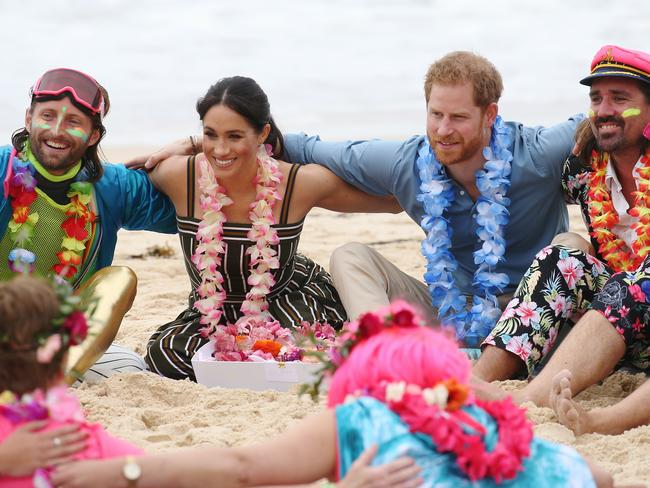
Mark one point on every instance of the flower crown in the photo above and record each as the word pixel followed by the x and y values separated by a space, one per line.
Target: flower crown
pixel 68 328
pixel 397 314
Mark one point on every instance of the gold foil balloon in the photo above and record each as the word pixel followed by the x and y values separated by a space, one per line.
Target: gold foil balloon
pixel 113 290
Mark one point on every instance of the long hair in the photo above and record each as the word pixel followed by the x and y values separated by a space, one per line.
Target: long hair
pixel 27 308
pixel 246 97
pixel 92 159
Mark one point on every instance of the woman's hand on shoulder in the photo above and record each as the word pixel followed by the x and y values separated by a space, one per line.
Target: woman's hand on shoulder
pixel 317 186
pixel 401 473
pixel 182 147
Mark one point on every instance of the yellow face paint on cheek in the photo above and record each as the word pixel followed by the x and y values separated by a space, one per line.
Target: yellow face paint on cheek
pixel 591 113
pixel 631 112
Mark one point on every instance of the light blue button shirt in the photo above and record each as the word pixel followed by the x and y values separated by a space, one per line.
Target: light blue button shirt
pixel 537 211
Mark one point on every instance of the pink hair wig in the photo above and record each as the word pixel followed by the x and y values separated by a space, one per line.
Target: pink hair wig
pixel 417 355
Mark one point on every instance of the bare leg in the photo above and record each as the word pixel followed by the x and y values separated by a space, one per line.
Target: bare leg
pixel 366 280
pixel 497 364
pixel 589 352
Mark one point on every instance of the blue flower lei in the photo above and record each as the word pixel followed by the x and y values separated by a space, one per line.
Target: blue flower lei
pixel 437 195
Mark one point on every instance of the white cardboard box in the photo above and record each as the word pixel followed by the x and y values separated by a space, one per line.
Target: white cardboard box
pixel 253 375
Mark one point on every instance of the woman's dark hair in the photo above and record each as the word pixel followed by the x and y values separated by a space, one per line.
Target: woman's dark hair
pixel 91 160
pixel 244 96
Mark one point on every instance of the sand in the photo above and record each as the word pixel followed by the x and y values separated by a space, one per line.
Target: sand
pixel 160 414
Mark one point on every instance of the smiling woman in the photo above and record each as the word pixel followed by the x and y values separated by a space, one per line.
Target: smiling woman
pixel 240 213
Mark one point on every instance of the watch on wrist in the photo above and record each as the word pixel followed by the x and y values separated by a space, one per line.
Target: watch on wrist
pixel 131 471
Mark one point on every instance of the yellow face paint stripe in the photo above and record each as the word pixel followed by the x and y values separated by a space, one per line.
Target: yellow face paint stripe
pixel 631 112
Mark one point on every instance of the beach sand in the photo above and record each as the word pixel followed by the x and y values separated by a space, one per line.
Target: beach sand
pixel 160 414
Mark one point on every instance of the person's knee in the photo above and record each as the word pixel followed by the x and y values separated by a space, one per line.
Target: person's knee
pixel 347 256
pixel 573 240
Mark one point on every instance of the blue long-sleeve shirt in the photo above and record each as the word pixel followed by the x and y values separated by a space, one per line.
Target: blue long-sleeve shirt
pixel 537 209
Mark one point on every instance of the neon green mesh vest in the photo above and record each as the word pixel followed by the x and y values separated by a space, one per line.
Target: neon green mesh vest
pixel 48 233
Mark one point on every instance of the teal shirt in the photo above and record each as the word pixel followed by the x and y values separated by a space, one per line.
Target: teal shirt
pixel 126 199
pixel 537 212
pixel 367 421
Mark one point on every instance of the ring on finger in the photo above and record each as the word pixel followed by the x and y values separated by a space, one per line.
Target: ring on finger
pixel 56 442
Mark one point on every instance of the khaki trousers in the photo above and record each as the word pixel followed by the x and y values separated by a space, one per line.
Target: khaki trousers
pixel 366 281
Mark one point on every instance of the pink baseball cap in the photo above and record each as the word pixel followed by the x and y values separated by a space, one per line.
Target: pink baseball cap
pixel 617 61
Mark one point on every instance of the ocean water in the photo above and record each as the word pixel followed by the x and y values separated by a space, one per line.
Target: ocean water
pixel 343 69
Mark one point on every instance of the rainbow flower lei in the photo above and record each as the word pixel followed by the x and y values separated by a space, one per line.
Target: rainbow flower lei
pixel 604 217
pixel 256 335
pixel 437 195
pixel 22 190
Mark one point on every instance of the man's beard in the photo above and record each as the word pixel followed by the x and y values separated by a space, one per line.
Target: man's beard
pixel 464 151
pixel 610 142
pixel 53 163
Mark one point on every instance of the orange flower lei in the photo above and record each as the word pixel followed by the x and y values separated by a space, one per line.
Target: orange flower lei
pixel 604 217
pixel 22 189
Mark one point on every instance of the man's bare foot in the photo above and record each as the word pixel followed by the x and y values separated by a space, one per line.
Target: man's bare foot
pixel 568 412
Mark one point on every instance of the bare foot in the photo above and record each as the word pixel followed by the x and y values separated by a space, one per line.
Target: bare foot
pixel 568 412
pixel 487 391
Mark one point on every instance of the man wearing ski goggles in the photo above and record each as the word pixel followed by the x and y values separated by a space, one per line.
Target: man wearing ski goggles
pixel 62 204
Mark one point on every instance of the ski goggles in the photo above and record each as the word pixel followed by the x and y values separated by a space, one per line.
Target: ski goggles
pixel 83 88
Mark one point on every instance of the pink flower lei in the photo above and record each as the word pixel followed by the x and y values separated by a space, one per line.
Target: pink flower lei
pixel 263 258
pixel 454 430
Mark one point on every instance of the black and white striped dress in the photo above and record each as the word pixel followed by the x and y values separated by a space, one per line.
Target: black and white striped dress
pixel 303 290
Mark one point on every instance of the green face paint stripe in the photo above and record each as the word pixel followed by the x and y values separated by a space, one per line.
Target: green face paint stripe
pixel 78 133
pixel 42 125
pixel 631 112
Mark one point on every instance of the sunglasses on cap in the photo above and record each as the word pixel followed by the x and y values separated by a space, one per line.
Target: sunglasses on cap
pixel 83 88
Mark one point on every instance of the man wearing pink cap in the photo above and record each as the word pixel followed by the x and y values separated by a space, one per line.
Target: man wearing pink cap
pixel 610 178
